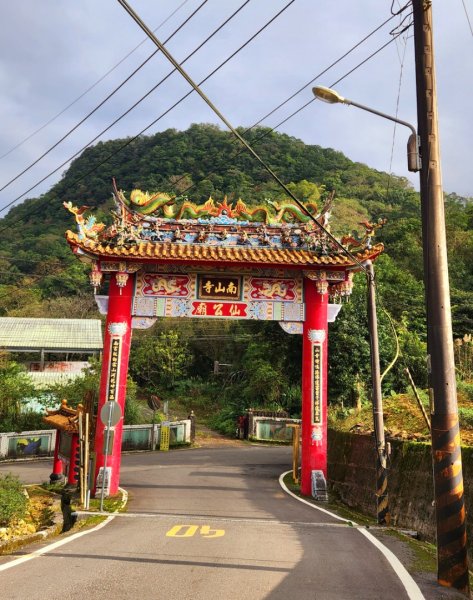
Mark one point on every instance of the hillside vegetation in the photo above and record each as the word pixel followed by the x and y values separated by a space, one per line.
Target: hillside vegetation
pixel 40 277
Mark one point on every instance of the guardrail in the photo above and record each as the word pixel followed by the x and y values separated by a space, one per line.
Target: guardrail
pixel 28 444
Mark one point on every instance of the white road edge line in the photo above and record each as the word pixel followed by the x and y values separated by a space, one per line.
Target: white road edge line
pixel 58 544
pixel 411 587
pixel 53 546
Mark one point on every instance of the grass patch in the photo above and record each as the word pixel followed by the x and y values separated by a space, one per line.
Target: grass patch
pixel 424 554
pixel 111 505
pixel 13 501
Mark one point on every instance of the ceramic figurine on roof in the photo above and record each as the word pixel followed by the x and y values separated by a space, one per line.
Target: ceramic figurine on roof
pixel 365 241
pixel 156 225
pixel 88 228
pixel 163 205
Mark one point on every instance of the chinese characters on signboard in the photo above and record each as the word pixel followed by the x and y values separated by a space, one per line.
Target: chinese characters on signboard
pixel 115 350
pixel 219 309
pixel 223 295
pixel 219 287
pixel 165 437
pixel 317 385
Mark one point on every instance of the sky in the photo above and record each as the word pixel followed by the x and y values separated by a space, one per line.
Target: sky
pixel 53 52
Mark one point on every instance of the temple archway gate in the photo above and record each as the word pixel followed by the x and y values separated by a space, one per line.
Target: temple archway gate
pixel 166 258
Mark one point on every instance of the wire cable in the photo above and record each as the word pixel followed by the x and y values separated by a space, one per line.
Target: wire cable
pixel 89 89
pixel 333 64
pixel 467 17
pixel 401 71
pixel 163 114
pixel 162 81
pixel 130 140
pixel 98 106
pixel 224 120
pixel 293 114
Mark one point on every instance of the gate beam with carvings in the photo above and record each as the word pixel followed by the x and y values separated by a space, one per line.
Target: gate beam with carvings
pixel 177 259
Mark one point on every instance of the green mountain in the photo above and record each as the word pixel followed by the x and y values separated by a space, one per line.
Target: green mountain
pixel 39 275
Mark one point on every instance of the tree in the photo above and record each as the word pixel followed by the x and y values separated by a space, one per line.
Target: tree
pixel 88 383
pixel 157 361
pixel 15 388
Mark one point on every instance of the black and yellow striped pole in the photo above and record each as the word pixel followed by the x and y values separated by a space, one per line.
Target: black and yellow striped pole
pixel 452 560
pixel 452 565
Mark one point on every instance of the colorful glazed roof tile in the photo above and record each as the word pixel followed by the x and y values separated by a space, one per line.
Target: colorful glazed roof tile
pixel 227 254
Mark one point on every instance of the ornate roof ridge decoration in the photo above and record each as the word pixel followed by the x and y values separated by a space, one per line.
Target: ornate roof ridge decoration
pixel 178 208
pixel 161 227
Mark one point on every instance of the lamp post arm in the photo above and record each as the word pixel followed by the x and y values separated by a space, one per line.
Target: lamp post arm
pixel 380 114
pixel 414 162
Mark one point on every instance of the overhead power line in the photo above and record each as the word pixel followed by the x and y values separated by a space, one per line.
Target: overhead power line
pixel 333 64
pixel 297 111
pixel 106 99
pixel 129 141
pixel 224 120
pixel 467 17
pixel 90 88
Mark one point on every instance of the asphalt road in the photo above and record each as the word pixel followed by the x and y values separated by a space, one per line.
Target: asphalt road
pixel 206 524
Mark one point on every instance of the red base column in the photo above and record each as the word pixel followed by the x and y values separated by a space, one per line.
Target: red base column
pixel 74 464
pixel 116 353
pixel 314 383
pixel 57 474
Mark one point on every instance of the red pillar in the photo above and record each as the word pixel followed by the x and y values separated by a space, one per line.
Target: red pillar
pixel 314 382
pixel 57 474
pixel 116 353
pixel 73 471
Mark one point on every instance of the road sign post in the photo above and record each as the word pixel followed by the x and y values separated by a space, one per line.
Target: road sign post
pixel 110 415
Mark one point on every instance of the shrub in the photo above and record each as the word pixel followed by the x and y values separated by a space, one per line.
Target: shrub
pixel 15 386
pixel 466 389
pixel 13 501
pixel 225 420
pixel 466 417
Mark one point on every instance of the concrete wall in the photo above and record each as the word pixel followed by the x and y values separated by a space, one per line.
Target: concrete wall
pixel 352 477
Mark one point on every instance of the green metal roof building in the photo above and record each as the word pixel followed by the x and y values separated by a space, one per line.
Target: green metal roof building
pixel 53 336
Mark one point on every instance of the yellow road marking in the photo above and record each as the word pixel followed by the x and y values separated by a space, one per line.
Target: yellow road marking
pixel 187 531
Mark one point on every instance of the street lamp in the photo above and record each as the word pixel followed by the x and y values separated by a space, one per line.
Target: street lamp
pixel 452 559
pixel 330 96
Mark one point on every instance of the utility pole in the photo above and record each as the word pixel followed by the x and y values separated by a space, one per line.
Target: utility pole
pixel 452 562
pixel 382 499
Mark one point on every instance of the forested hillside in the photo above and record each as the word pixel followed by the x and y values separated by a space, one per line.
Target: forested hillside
pixel 40 277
